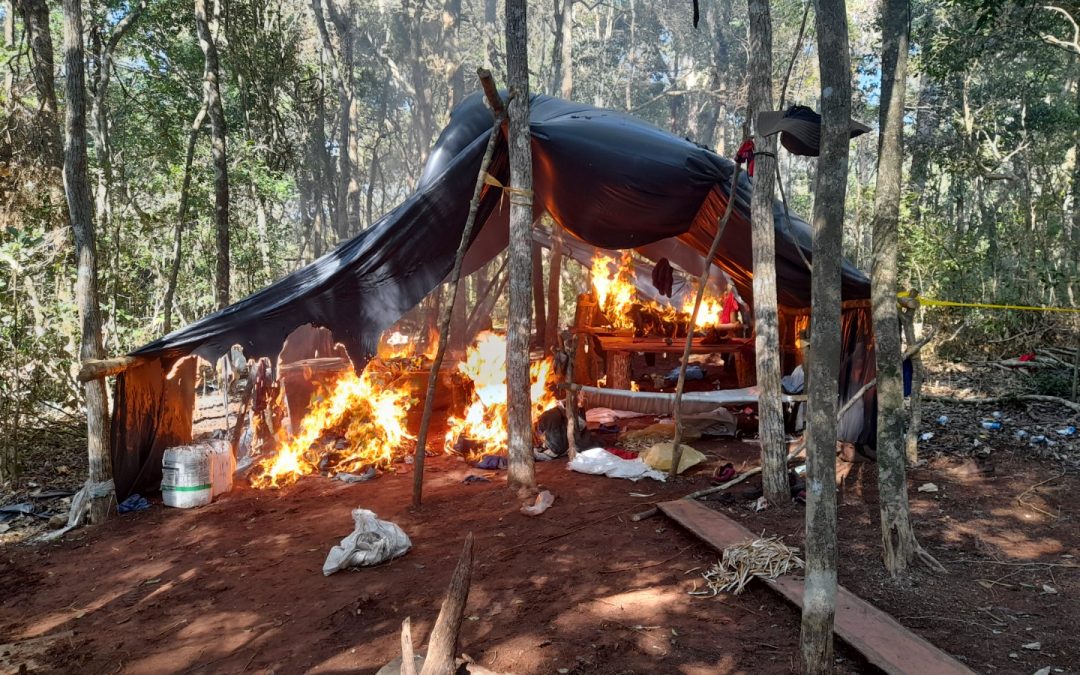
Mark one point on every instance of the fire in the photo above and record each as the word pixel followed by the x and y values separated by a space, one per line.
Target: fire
pixel 484 421
pixel 371 415
pixel 615 291
pixel 614 283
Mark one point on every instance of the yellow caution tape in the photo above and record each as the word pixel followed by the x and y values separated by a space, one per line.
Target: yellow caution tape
pixel 982 305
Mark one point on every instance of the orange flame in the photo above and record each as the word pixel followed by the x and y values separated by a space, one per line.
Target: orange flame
pixel 484 421
pixel 372 414
pixel 614 283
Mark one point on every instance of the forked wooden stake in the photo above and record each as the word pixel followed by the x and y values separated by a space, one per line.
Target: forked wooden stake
pixel 442 648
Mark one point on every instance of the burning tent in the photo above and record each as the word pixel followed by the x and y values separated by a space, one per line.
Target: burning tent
pixel 607 178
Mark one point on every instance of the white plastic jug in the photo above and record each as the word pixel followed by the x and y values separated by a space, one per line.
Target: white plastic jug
pixel 192 475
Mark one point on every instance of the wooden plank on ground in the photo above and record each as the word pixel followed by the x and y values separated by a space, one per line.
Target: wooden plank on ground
pixel 878 636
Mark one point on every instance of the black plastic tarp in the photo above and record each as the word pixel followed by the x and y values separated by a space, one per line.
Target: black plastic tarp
pixel 610 179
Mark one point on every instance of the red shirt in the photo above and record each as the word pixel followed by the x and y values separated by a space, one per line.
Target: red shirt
pixel 727 312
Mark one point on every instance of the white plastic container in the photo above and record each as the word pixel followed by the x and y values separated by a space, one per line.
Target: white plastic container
pixel 192 475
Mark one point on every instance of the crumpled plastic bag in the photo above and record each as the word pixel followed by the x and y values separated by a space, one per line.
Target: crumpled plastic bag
pixel 372 541
pixel 659 456
pixel 599 461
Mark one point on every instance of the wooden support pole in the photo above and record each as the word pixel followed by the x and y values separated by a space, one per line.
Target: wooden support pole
pixel 584 315
pixel 618 370
pixel 676 455
pixel 95 369
pixel 570 348
pixel 455 277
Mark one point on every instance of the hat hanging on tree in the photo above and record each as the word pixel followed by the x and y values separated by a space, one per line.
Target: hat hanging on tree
pixel 799 128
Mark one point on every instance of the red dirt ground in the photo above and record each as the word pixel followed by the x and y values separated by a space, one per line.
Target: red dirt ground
pixel 237 586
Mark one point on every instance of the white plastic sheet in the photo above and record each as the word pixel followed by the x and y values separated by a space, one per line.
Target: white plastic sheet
pixel 599 461
pixel 372 541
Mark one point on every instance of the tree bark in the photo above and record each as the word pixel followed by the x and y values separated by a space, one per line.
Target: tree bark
pixel 181 218
pixel 212 97
pixel 819 596
pixel 80 213
pixel 766 319
pixel 520 472
pixel 907 318
pixel 35 16
pixel 897 535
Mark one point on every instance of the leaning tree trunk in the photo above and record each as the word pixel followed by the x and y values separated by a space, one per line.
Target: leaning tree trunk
pixel 212 96
pixel 819 596
pixel 896 533
pixel 520 470
pixel 766 321
pixel 80 212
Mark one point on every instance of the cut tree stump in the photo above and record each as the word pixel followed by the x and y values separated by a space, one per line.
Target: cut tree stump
pixel 876 635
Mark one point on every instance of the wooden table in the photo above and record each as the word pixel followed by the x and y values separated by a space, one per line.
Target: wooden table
pixel 618 349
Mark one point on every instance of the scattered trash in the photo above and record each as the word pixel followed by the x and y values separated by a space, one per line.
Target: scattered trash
pixel 491 462
pixel 598 461
pixel 1032 646
pixel 1067 431
pixel 1049 590
pixel 1043 671
pixel 1021 435
pixel 12 511
pixel 767 558
pixel 543 502
pixel 660 456
pixel 800 470
pixel 991 425
pixel 133 503
pixel 372 541
pixel 1038 440
pixel 368 474
pixel 642 494
pixel 761 504
pixel 723 474
pixel 475 479
pixel 928 487
pixel 926 436
pixel 996 415
pixel 943 420
pixel 625 454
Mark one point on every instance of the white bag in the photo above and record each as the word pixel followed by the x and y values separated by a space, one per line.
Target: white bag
pixel 601 462
pixel 372 541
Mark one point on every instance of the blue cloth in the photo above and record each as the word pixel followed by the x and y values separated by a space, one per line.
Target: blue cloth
pixel 909 372
pixel 693 372
pixel 491 462
pixel 133 503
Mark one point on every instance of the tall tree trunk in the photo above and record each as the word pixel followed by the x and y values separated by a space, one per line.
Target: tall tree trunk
pixel 9 46
pixel 766 320
pixel 80 212
pixel 35 16
pixel 539 313
pixel 520 470
pixel 344 168
pixel 819 596
pixel 896 533
pixel 181 218
pixel 562 55
pixel 212 96
pixel 491 31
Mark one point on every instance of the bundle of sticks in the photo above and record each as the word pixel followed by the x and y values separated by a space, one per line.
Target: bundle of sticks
pixel 767 557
